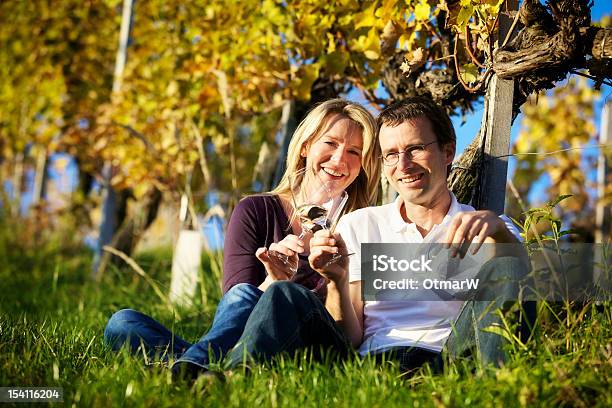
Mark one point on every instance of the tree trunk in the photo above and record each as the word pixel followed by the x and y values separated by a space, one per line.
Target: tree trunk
pixel 128 235
pixel 40 177
pixel 17 182
pixel 464 174
pixel 555 50
pixel 110 210
pixel 264 169
pixel 603 211
pixel 288 126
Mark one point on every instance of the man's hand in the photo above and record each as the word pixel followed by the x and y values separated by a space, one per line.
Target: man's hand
pixel 474 227
pixel 323 246
pixel 290 246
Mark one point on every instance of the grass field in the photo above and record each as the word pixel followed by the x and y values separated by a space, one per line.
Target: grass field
pixel 52 318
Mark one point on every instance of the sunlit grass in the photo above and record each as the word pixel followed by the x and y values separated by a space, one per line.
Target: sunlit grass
pixel 52 318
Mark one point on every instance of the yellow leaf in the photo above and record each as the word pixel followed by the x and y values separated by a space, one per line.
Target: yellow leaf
pixel 367 18
pixel 331 43
pixel 421 11
pixel 306 75
pixel 494 3
pixel 372 45
pixel 371 54
pixel 469 73
pixel 464 16
pixel 385 11
pixel 140 190
pixel 336 62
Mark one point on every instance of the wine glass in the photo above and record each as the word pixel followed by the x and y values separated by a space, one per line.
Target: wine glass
pixel 317 205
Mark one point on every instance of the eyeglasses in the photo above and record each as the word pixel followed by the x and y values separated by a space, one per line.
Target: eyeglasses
pixel 414 152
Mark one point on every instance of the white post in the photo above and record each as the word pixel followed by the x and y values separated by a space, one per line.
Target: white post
pixel 496 143
pixel 186 259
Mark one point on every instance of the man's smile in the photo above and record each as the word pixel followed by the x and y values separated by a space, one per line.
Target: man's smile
pixel 408 179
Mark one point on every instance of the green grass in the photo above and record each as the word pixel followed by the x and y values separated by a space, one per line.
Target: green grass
pixel 52 318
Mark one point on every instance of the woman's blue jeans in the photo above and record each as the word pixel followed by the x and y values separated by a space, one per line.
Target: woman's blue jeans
pixel 141 333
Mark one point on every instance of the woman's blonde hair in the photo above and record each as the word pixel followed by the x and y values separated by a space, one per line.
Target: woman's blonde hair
pixel 363 191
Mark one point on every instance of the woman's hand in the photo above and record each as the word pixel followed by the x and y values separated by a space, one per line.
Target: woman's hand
pixel 323 246
pixel 290 246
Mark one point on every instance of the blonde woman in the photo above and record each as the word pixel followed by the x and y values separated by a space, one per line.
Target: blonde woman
pixel 335 142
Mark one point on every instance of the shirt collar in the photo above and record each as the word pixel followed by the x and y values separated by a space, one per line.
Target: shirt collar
pixel 398 223
pixel 452 210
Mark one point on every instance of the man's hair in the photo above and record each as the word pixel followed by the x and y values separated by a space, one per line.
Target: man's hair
pixel 415 107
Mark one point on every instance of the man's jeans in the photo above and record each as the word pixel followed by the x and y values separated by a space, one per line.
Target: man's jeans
pixel 468 336
pixel 143 333
pixel 288 318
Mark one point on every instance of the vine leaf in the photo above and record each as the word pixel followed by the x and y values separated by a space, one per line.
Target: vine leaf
pixel 469 73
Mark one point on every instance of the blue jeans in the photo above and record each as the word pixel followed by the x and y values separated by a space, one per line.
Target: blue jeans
pixel 141 333
pixel 288 317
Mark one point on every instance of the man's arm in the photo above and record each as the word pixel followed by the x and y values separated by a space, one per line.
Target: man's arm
pixel 357 301
pixel 340 306
pixel 477 227
pixel 343 299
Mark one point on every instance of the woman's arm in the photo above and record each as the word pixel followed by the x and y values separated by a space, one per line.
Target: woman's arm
pixel 357 301
pixel 245 233
pixel 251 228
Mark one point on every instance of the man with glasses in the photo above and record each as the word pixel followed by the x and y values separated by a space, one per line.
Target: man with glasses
pixel 417 140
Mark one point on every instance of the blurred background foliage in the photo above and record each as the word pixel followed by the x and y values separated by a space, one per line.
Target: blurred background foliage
pixel 205 83
pixel 555 154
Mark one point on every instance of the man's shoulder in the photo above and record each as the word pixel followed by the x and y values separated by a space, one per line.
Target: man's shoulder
pixel 466 207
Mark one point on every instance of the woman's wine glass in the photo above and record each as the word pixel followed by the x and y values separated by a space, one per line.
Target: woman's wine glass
pixel 317 205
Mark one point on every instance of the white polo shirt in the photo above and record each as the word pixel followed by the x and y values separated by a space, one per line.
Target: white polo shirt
pixel 388 324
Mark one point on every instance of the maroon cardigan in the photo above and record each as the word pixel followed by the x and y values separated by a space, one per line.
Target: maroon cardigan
pixel 258 221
